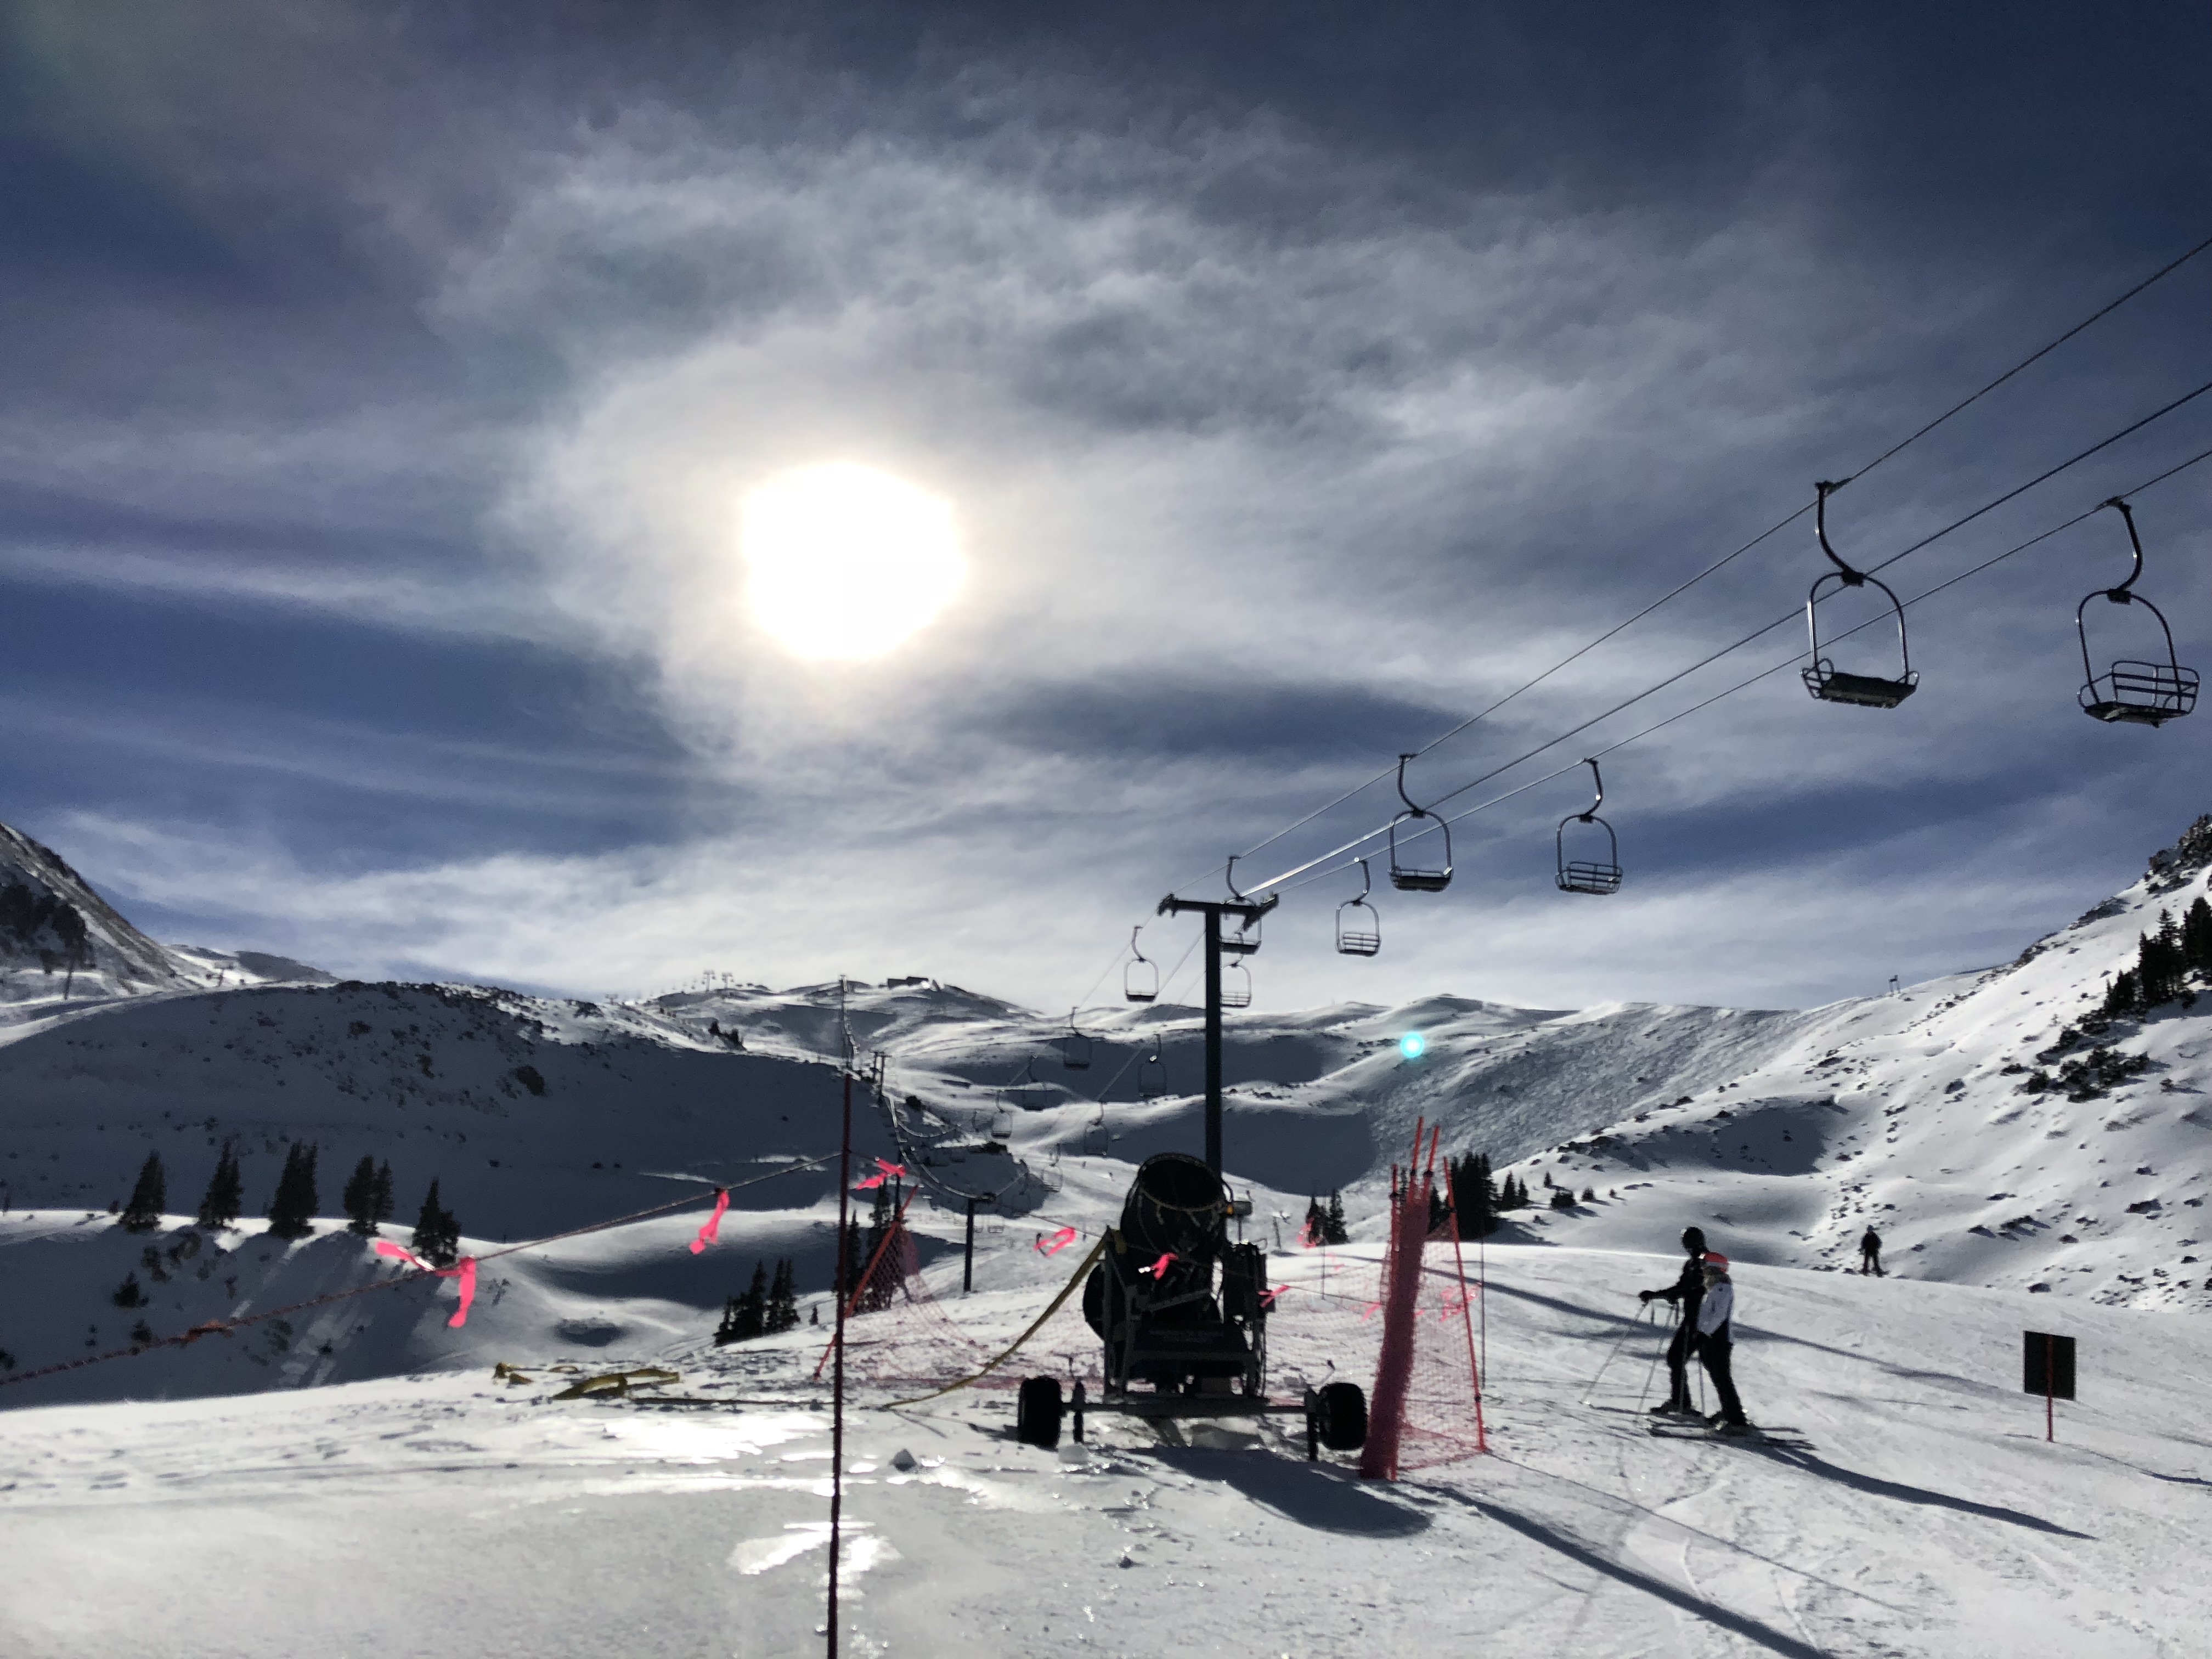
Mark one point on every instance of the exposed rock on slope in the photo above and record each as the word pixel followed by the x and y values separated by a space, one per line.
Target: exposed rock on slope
pixel 56 932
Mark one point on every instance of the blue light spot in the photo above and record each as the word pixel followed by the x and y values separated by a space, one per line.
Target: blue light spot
pixel 1412 1045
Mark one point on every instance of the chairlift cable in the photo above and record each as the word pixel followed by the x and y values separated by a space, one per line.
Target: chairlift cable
pixel 1790 661
pixel 1895 449
pixel 1789 616
pixel 2094 317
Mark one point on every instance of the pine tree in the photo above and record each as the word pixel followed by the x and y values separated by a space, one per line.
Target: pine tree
pixel 225 1193
pixel 360 1197
pixel 1339 1233
pixel 292 1210
pixel 782 1299
pixel 1474 1195
pixel 148 1199
pixel 437 1237
pixel 727 1332
pixel 381 1203
pixel 1316 1228
pixel 128 1294
pixel 852 1263
pixel 749 1312
pixel 2196 935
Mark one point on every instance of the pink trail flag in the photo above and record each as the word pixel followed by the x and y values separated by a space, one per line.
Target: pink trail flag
pixel 711 1230
pixel 1059 1242
pixel 466 1272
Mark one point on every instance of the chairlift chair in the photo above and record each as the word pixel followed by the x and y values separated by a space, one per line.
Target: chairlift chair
pixel 1028 1093
pixel 2133 693
pixel 1152 1074
pixel 1002 1124
pixel 1822 677
pixel 1358 928
pixel 1236 985
pixel 1074 1047
pixel 1414 879
pixel 1590 875
pixel 1097 1142
pixel 1140 975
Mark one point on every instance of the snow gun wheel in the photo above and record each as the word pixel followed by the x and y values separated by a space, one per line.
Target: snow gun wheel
pixel 1037 1408
pixel 1340 1417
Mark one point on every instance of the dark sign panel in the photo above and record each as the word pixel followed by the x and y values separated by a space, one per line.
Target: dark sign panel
pixel 2047 1365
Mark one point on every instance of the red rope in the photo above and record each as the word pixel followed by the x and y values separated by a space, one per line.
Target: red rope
pixel 225 1326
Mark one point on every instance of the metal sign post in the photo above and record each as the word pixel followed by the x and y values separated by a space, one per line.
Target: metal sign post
pixel 2047 1368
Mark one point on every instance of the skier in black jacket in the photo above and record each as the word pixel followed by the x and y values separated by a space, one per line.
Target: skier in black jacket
pixel 1688 1291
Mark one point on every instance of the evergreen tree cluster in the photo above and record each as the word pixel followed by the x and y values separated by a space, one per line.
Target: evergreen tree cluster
pixel 875 1294
pixel 1325 1223
pixel 1512 1193
pixel 1475 1194
pixel 292 1210
pixel 437 1237
pixel 2164 961
pixel 368 1197
pixel 769 1307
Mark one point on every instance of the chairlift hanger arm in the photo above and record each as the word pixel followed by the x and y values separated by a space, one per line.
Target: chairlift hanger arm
pixel 1825 489
pixel 2120 595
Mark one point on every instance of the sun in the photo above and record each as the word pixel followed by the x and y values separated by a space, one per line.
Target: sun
pixel 843 562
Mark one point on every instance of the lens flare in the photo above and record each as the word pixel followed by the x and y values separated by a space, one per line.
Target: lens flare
pixel 1412 1045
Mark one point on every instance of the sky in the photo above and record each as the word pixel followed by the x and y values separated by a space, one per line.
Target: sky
pixel 386 383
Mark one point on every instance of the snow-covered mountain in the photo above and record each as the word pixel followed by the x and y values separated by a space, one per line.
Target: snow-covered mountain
pixel 1783 1133
pixel 56 935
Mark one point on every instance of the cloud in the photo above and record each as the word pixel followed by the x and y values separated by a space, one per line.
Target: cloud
pixel 1273 455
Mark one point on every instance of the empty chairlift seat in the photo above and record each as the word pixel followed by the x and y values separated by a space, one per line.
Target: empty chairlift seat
pixel 1590 865
pixel 1358 928
pixel 1408 827
pixel 1822 677
pixel 2132 692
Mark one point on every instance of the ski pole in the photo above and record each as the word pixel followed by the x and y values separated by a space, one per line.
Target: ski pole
pixel 1674 1314
pixel 1642 1315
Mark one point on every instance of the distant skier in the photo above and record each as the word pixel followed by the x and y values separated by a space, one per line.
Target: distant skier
pixel 1870 1254
pixel 1715 1344
pixel 1688 1293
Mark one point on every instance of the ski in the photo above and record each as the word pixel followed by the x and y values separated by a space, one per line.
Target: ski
pixel 1758 1437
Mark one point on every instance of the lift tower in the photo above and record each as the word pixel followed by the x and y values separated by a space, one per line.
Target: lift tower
pixel 1247 912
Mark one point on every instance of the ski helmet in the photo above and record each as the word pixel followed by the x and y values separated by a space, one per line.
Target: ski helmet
pixel 1693 1240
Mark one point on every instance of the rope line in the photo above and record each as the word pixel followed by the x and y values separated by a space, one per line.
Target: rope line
pixel 224 1327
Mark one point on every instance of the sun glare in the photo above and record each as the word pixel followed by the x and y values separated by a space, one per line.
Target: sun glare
pixel 843 562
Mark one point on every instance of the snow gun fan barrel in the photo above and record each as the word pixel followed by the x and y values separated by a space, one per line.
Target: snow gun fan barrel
pixel 1176 1206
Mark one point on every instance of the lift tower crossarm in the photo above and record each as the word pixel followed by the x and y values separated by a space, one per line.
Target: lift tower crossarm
pixel 1246 911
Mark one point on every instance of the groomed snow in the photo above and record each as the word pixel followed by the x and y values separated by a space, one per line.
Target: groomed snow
pixel 446 1514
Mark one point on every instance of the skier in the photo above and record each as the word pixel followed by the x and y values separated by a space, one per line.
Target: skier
pixel 1870 1254
pixel 1714 1346
pixel 1688 1291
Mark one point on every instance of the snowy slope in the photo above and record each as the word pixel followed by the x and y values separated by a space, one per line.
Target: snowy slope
pixel 453 1516
pixel 537 1114
pixel 1920 1115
